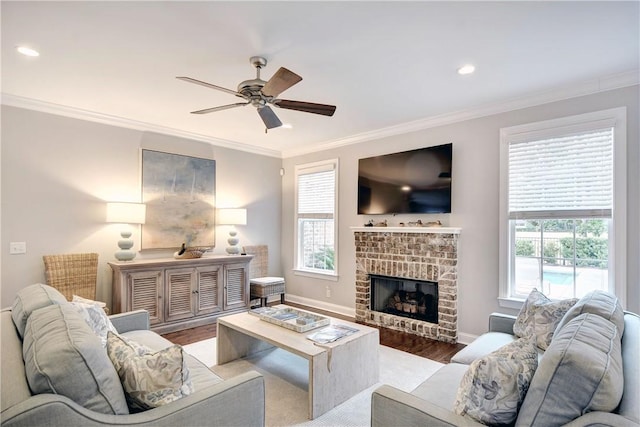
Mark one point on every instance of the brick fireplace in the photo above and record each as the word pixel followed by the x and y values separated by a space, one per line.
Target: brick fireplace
pixel 420 254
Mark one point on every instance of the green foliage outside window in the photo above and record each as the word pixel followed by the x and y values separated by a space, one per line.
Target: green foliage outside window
pixel 584 227
pixel 550 252
pixel 590 251
pixel 525 248
pixel 323 259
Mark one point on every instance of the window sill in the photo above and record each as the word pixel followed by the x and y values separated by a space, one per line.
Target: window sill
pixel 512 303
pixel 323 276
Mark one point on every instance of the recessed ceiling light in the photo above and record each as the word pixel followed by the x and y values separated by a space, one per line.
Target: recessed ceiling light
pixel 287 126
pixel 466 69
pixel 27 51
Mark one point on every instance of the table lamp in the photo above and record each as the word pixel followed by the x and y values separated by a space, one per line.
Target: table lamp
pixel 232 217
pixel 126 213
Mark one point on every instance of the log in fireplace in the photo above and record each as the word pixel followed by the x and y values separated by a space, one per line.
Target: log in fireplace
pixel 415 299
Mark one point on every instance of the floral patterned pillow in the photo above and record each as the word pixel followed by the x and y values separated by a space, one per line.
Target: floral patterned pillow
pixel 96 318
pixel 546 318
pixel 539 317
pixel 494 386
pixel 149 379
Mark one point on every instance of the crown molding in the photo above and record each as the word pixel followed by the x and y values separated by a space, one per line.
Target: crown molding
pixel 611 82
pixel 92 116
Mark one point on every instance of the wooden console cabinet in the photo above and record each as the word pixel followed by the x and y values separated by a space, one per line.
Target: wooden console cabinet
pixel 182 293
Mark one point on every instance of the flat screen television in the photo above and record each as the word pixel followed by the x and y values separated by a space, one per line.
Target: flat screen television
pixel 415 181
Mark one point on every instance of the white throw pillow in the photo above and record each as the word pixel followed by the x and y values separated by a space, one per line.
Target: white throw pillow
pixel 78 298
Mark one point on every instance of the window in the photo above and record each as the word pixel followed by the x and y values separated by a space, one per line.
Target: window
pixel 316 218
pixel 563 207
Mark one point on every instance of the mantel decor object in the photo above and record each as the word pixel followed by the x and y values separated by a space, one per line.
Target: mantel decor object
pixel 189 252
pixel 232 217
pixel 125 213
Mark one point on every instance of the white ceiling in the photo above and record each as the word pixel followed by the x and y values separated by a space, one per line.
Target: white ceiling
pixel 385 65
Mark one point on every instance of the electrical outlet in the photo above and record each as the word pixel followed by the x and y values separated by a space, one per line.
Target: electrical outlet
pixel 16 248
pixel 328 292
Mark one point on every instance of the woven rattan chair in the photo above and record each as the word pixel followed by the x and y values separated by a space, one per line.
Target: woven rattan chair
pixel 72 274
pixel 262 286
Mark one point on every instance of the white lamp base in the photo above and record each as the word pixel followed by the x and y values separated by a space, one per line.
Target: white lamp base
pixel 233 241
pixel 125 244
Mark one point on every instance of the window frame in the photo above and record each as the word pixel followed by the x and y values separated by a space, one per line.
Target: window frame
pixel 301 169
pixel 615 118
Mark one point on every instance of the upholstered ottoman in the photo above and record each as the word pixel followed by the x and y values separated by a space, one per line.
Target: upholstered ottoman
pixel 263 287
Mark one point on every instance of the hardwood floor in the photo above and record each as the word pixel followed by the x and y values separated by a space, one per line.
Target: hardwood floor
pixel 420 346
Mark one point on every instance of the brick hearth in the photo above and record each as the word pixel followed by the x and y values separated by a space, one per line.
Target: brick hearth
pixel 410 253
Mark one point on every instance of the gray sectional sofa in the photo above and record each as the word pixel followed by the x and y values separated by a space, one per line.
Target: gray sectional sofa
pixel 569 380
pixel 96 395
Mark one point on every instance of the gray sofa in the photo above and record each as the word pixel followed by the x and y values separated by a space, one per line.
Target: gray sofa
pixel 238 401
pixel 432 402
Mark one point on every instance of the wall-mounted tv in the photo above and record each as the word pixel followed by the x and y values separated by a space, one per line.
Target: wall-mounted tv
pixel 415 181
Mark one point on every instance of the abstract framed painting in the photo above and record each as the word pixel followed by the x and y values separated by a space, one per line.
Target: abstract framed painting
pixel 180 193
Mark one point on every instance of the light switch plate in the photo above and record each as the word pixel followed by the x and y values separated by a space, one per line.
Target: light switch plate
pixel 16 248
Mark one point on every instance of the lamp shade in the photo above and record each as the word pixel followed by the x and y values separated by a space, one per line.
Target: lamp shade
pixel 126 213
pixel 232 216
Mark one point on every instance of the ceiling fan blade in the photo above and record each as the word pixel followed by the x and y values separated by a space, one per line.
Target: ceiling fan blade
pixel 220 108
pixel 282 80
pixel 269 117
pixel 307 107
pixel 209 85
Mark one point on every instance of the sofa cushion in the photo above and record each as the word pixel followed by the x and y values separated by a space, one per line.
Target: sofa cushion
pixel 482 346
pixel 604 304
pixel 494 386
pixel 62 355
pixel 13 380
pixel 150 379
pixel 581 371
pixel 30 299
pixel 539 317
pixel 441 387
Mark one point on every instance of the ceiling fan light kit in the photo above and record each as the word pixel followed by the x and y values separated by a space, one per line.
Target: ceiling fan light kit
pixel 261 94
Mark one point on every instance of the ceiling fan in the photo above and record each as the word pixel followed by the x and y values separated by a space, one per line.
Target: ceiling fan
pixel 261 94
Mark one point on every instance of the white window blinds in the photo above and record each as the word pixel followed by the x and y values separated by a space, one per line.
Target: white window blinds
pixel 316 193
pixel 564 176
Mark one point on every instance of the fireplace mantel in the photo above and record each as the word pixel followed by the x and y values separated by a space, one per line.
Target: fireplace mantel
pixel 427 230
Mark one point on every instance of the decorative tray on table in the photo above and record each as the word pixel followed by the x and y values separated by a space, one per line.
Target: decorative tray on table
pixel 290 318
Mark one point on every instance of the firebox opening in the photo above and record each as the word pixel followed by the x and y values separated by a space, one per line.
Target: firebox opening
pixel 416 299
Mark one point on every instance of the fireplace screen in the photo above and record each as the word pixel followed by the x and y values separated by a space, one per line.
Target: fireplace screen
pixel 416 299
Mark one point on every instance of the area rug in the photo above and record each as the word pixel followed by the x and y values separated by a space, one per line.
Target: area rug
pixel 286 382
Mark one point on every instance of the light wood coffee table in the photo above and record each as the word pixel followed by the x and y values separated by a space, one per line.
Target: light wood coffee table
pixel 337 370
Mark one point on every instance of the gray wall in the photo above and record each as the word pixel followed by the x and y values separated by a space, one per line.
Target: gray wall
pixel 474 205
pixel 58 173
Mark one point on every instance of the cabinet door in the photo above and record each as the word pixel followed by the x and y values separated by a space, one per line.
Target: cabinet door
pixel 236 286
pixel 209 287
pixel 145 290
pixel 180 293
